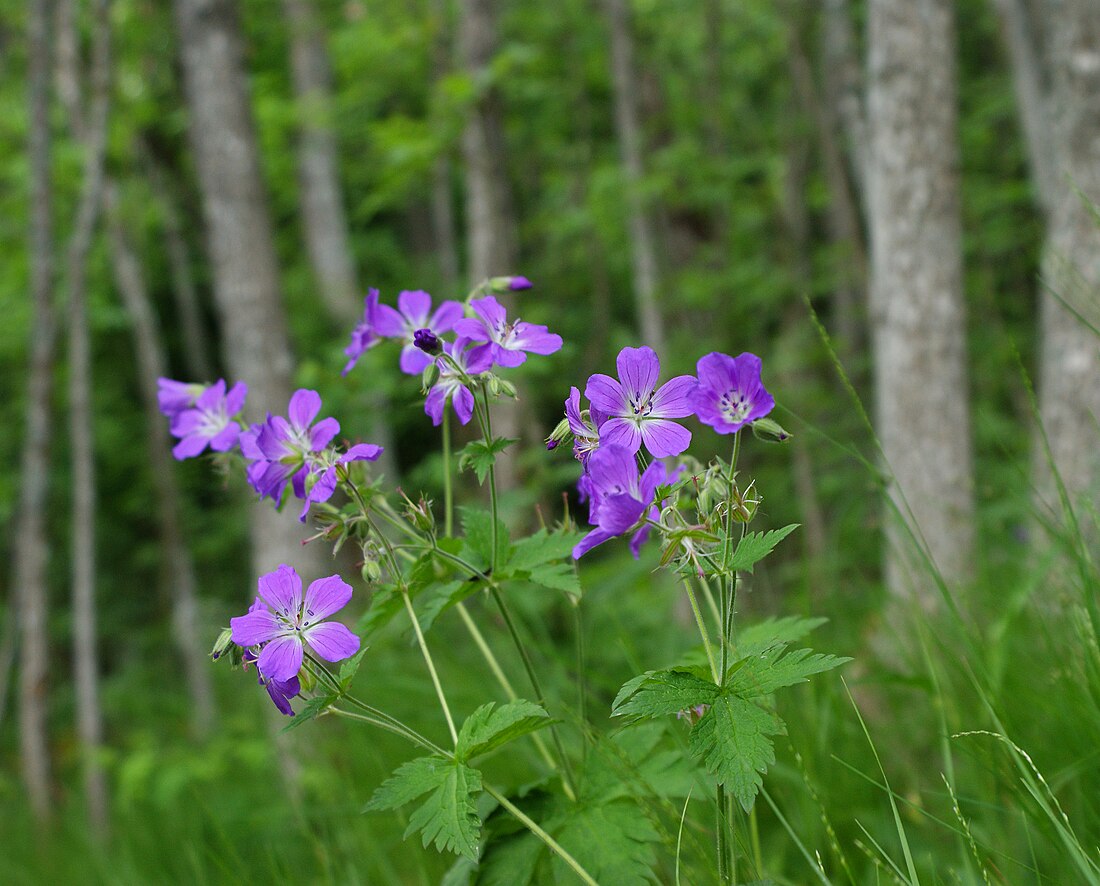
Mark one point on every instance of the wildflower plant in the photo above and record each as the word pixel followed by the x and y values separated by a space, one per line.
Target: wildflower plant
pixel 630 442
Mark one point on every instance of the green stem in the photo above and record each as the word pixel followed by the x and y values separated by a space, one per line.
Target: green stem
pixel 487 429
pixel 431 665
pixel 702 629
pixel 533 827
pixel 406 733
pixel 448 492
pixel 723 836
pixel 711 604
pixel 727 585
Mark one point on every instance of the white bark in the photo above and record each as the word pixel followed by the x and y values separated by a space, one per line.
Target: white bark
pixel 1069 373
pixel 31 551
pixel 918 317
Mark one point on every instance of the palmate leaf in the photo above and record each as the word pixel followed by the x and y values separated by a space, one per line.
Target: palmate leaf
pixel 557 577
pixel 479 455
pixel 660 693
pixel 733 740
pixel 312 709
pixel 774 668
pixel 757 637
pixel 542 547
pixel 477 526
pixel 448 817
pixel 490 726
pixel 754 547
pixel 613 841
pixel 441 597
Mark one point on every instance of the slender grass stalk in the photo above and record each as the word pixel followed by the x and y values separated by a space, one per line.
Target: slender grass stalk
pixel 431 665
pixel 702 630
pixel 448 491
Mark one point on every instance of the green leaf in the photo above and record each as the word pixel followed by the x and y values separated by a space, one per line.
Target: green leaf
pixel 311 710
pixel 490 726
pixel 479 456
pixel 439 598
pixel 733 741
pixel 477 525
pixel 557 577
pixel 775 668
pixel 385 603
pixel 543 547
pixel 349 669
pixel 612 841
pixel 755 546
pixel 660 693
pixel 448 817
pixel 757 637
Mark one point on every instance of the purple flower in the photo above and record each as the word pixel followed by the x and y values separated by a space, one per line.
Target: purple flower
pixel 642 535
pixel 730 393
pixel 210 422
pixel 618 496
pixel 364 336
pixel 586 434
pixel 320 480
pixel 509 284
pixel 427 341
pixel 173 397
pixel 284 446
pixel 636 410
pixel 281 622
pixel 505 342
pixel 413 312
pixel 456 362
pixel 281 691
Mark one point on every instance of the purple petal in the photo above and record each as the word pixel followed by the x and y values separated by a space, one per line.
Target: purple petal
pixel 226 439
pixel 717 371
pixel 281 691
pixel 518 284
pixel 282 590
pixel 605 394
pixel 619 512
pixel 186 423
pixel 413 360
pixel 434 405
pixel 663 437
pixel 361 452
pixel 536 339
pixel 332 641
pixel 258 626
pixel 490 311
pixel 594 538
pixel 281 658
pixel 508 359
pixel 212 397
pixel 234 400
pixel 190 446
pixel 415 305
pixel 472 329
pixel 303 408
pixel 674 398
pixel 463 402
pixel 446 316
pixel 612 469
pixel 324 597
pixel 573 412
pixel 639 539
pixel 621 432
pixel 653 477
pixel 322 432
pixel 388 322
pixel 638 370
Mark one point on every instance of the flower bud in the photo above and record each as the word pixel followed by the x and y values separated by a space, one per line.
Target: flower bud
pixel 769 431
pixel 371 571
pixel 306 680
pixel 507 389
pixel 551 445
pixel 419 514
pixel 509 284
pixel 224 641
pixel 429 378
pixel 560 434
pixel 428 342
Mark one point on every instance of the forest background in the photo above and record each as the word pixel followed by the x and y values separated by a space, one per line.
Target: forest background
pixel 892 202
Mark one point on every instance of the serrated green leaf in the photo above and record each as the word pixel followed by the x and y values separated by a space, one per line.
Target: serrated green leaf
pixel 733 741
pixel 774 668
pixel 385 603
pixel 490 726
pixel 478 456
pixel 761 635
pixel 754 547
pixel 448 817
pixel 439 598
pixel 612 841
pixel 477 526
pixel 661 693
pixel 542 547
pixel 557 577
pixel 312 709
pixel 350 668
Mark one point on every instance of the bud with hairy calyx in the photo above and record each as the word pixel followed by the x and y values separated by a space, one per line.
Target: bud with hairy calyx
pixel 770 431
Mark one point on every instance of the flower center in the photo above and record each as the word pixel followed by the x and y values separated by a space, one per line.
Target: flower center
pixel 641 405
pixel 734 406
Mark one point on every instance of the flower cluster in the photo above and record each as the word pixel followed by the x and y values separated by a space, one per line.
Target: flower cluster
pixel 632 412
pixel 484 337
pixel 201 416
pixel 282 622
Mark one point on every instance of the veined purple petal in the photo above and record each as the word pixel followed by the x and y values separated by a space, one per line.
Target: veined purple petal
pixel 413 360
pixel 717 371
pixel 619 512
pixel 507 358
pixel 282 590
pixel 605 394
pixel 662 437
pixel 332 641
pixel 463 402
pixel 281 691
pixel 281 658
pixel 638 370
pixel 258 626
pixel 434 405
pixel 490 311
pixel 324 597
pixel 303 408
pixel 536 339
pixel 594 538
pixel 415 304
pixel 388 322
pixel 674 398
pixel 613 470
pixel 361 452
pixel 322 432
pixel 621 432
pixel 472 329
pixel 446 316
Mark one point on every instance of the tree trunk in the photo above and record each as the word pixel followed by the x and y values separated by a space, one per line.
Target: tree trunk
pixel 1069 395
pixel 240 242
pixel 841 76
pixel 918 319
pixel 31 552
pixel 443 220
pixel 93 134
pixel 628 132
pixel 178 563
pixel 490 224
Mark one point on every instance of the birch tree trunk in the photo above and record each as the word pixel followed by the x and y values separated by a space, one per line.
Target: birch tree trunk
pixel 240 242
pixel 918 316
pixel 81 429
pixel 1069 372
pixel 178 563
pixel 628 132
pixel 443 220
pixel 31 550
